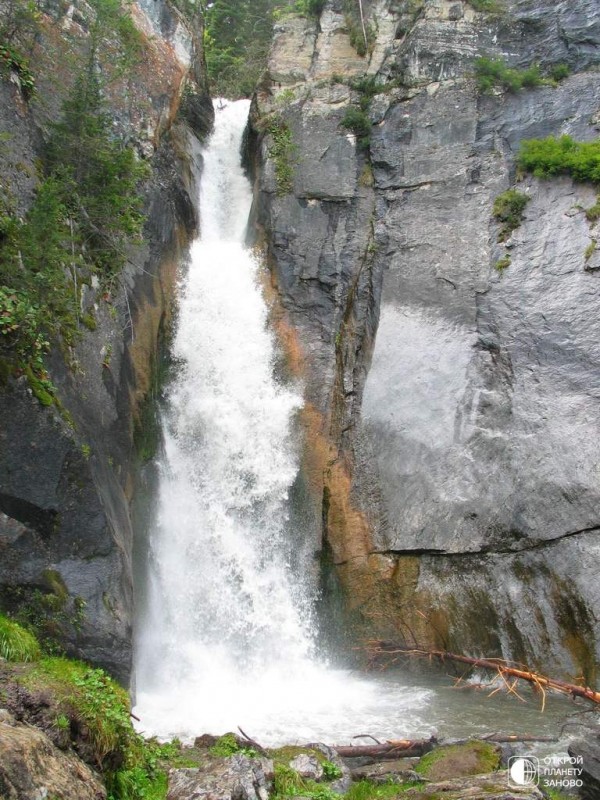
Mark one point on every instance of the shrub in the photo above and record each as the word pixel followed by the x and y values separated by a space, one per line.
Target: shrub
pixel 16 643
pixel 368 86
pixel 493 73
pixel 225 746
pixel 592 214
pixel 559 72
pixel 361 39
pixel 357 121
pixel 13 60
pixel 561 156
pixel 590 250
pixel 282 151
pixel 508 210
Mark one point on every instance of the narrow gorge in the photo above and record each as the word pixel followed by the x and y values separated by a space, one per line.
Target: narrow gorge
pixel 287 375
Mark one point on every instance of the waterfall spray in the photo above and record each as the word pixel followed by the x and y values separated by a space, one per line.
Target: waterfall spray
pixel 226 635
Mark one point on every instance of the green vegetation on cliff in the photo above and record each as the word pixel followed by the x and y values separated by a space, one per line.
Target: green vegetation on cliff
pixel 237 39
pixel 282 150
pixel 357 121
pixel 553 156
pixel 550 157
pixel 509 208
pixel 489 6
pixel 494 73
pixel 86 209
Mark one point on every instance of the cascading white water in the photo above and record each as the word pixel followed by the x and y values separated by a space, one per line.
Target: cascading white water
pixel 225 636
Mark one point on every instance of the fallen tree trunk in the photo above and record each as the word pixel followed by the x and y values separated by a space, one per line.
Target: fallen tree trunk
pixel 503 668
pixel 407 748
pixel 400 748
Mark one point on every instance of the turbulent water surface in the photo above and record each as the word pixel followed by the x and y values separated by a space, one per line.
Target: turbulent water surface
pixel 224 636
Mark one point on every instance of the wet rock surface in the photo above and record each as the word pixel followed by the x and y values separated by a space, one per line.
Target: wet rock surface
pixel 588 750
pixel 67 471
pixel 466 477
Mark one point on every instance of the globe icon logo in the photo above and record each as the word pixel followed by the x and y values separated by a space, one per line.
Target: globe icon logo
pixel 523 771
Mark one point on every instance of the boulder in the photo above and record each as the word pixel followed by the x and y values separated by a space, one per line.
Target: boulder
pixel 236 778
pixel 31 767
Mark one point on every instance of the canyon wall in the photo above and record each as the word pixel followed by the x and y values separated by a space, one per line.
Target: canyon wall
pixel 67 469
pixel 451 421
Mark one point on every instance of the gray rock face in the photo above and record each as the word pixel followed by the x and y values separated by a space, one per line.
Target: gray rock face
pixel 66 479
pixel 472 462
pixel 307 766
pixel 589 751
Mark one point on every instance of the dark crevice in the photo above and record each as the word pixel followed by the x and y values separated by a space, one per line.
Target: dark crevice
pixel 42 520
pixel 424 551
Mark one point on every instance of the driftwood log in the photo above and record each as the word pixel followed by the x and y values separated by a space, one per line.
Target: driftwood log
pixel 504 669
pixel 399 748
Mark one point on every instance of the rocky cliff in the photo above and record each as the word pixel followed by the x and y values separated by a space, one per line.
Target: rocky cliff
pixel 451 423
pixel 67 469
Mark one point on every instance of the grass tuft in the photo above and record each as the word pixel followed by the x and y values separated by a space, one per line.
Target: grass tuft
pixel 16 643
pixel 509 208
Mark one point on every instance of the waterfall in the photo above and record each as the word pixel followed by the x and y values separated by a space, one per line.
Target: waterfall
pixel 225 637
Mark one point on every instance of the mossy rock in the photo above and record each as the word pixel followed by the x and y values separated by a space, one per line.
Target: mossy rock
pixel 283 755
pixel 459 760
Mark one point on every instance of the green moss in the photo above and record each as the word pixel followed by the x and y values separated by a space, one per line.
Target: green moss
pixel 289 752
pixel 459 760
pixel 41 388
pixel 503 263
pixel 555 794
pixel 228 744
pixel 509 208
pixel 366 178
pixel 577 624
pixel 55 585
pixel 89 321
pixel 16 643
